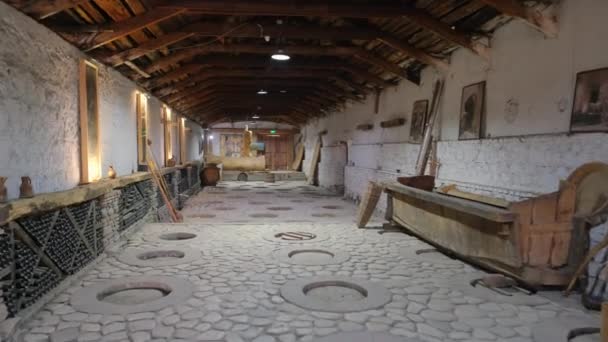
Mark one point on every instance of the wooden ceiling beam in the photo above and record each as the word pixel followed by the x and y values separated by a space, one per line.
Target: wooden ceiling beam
pixel 414 52
pixel 237 81
pixel 278 74
pixel 147 47
pixel 292 8
pixel 305 8
pixel 254 31
pixel 125 27
pixel 41 9
pixel 230 61
pixel 447 32
pixel 343 51
pixel 546 24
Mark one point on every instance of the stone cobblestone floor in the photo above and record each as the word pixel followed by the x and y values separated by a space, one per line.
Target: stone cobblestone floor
pixel 238 277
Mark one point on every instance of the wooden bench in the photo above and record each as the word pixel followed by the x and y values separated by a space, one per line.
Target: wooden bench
pixel 530 240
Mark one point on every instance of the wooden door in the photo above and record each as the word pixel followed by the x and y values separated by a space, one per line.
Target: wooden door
pixel 278 152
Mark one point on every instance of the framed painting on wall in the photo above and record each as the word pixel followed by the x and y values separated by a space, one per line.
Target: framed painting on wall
pixel 90 135
pixel 419 118
pixel 472 108
pixel 590 109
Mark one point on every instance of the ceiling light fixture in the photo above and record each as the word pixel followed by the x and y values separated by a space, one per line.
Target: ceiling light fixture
pixel 255 116
pixel 283 91
pixel 280 55
pixel 262 92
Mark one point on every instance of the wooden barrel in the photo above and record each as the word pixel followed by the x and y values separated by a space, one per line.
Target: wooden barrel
pixel 210 175
pixel 368 203
pixel 269 178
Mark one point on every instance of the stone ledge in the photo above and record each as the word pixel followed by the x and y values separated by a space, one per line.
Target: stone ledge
pixel 55 200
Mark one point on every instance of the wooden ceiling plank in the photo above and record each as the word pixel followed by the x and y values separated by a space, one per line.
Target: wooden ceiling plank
pixel 416 53
pixel 147 47
pixel 294 8
pixel 125 27
pixel 545 23
pixel 41 9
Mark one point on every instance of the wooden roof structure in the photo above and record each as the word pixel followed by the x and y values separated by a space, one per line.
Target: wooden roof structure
pixel 208 59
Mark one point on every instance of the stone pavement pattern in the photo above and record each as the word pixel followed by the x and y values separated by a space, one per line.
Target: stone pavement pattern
pixel 238 278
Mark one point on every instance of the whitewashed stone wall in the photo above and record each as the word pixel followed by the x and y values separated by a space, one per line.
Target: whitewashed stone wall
pixel 39 118
pixel 331 167
pixel 525 152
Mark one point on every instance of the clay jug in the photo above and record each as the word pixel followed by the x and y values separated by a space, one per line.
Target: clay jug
pixel 111 172
pixel 210 175
pixel 3 195
pixel 26 190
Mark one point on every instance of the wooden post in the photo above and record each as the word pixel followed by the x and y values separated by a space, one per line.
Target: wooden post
pixel 604 326
pixel 428 131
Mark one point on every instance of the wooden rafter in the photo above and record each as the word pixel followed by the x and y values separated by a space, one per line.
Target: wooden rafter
pixel 547 24
pixel 41 9
pixel 123 28
pixel 343 51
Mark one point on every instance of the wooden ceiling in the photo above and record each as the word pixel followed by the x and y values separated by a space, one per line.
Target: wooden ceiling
pixel 207 59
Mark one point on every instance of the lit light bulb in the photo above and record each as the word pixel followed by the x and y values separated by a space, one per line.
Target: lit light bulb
pixel 280 56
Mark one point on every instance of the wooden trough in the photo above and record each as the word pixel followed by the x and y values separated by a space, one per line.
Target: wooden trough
pixel 534 240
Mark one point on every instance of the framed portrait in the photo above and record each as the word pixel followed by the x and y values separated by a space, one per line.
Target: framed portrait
pixel 419 120
pixel 472 108
pixel 590 109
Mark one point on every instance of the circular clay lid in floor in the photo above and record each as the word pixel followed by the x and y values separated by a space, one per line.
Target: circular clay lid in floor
pixel 311 256
pixel 335 294
pixel 295 237
pixel 131 295
pixel 158 257
pixel 364 337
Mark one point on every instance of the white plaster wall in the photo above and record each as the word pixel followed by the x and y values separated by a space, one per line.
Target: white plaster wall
pixel 39 118
pixel 527 153
pixel 194 137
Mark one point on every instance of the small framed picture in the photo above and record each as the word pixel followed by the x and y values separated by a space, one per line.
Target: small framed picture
pixel 590 109
pixel 472 109
pixel 419 120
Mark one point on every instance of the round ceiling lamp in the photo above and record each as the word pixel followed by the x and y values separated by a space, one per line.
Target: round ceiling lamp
pixel 262 92
pixel 280 55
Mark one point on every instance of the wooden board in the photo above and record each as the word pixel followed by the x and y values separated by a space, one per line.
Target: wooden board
pixel 54 200
pixel 369 203
pixel 299 156
pixel 476 209
pixel 314 161
pixel 466 234
pixel 453 191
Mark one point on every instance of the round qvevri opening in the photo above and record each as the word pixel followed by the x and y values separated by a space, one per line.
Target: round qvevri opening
pixel 323 215
pixel 310 256
pixel 364 337
pixel 159 257
pixel 259 203
pixel 263 215
pixel 301 201
pixel 202 215
pixel 335 294
pixel 133 294
pixel 225 208
pixel 335 291
pixel 173 254
pixel 332 207
pixel 179 236
pixel 280 208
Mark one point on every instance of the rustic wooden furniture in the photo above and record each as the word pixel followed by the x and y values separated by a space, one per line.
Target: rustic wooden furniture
pixel 529 240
